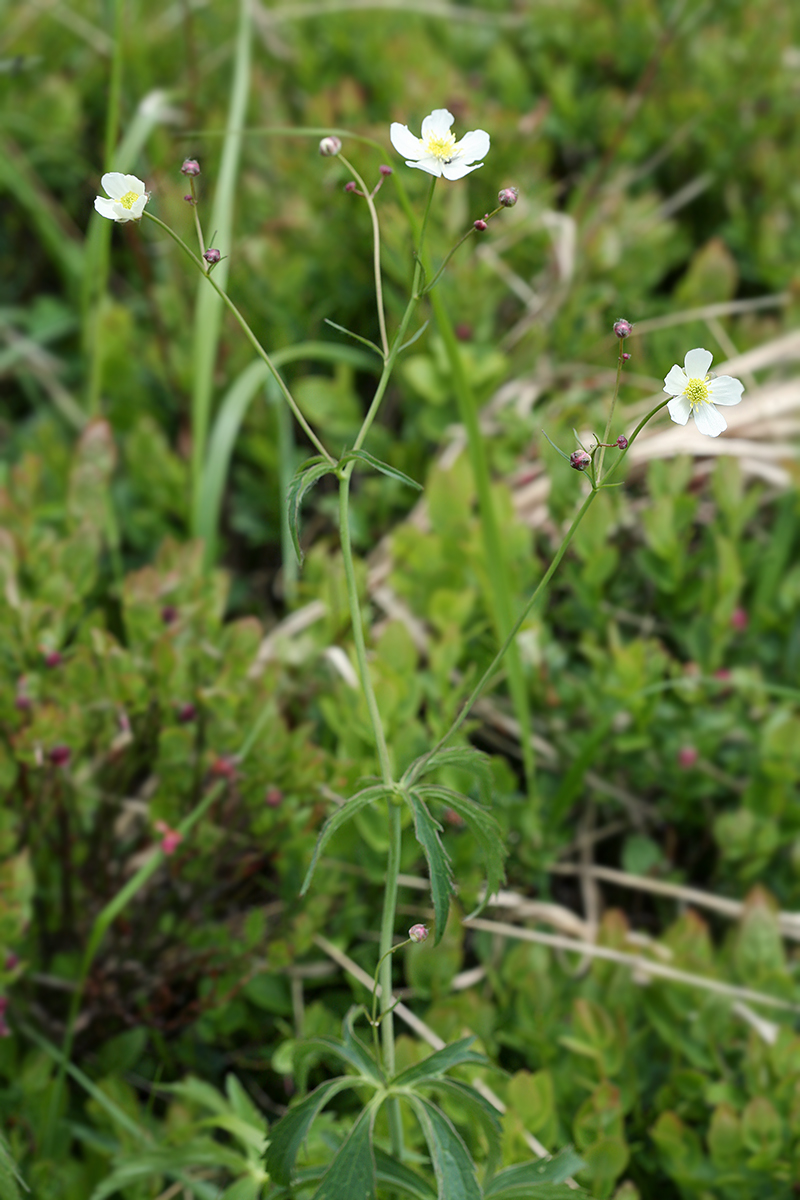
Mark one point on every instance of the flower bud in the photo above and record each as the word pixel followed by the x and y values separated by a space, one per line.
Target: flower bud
pixel 189 199
pixel 622 442
pixel 508 197
pixel 186 713
pixel 190 167
pixel 273 798
pixel 12 961
pixel 329 147
pixel 223 767
pixel 53 659
pixel 626 357
pixel 350 186
pixel 169 613
pixel 480 225
pixel 418 933
pixel 579 460
pixel 22 702
pixel 60 755
pixel 622 328
pixel 170 839
pixel 687 757
pixel 384 170
pixel 212 256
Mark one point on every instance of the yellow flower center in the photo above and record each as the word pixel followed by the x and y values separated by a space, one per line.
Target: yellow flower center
pixel 697 392
pixel 440 145
pixel 129 199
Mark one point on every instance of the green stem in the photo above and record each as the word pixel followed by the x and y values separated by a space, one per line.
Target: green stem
pixel 538 591
pixel 198 227
pixel 458 244
pixel 496 563
pixel 376 253
pixel 611 410
pixel 251 337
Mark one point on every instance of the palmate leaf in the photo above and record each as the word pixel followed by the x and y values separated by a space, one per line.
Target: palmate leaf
pixel 451 1161
pixel 466 758
pixel 288 1134
pixel 395 1175
pixel 483 825
pixel 351 1175
pixel 336 820
pixel 427 830
pixel 309 473
pixel 542 1180
pixel 378 465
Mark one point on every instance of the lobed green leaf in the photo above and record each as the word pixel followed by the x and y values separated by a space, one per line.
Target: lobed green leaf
pixel 451 1161
pixel 483 825
pixel 288 1134
pixel 427 830
pixel 336 820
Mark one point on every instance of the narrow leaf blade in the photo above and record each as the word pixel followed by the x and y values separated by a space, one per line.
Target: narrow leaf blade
pixel 452 1165
pixel 484 828
pixel 357 336
pixel 427 831
pixel 288 1134
pixel 378 465
pixel 352 1172
pixel 335 821
pixel 547 1177
pixel 309 473
pixel 454 1055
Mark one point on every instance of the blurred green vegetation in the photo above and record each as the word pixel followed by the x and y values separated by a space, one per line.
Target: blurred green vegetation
pixel 654 145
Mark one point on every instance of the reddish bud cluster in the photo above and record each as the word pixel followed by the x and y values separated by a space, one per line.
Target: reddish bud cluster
pixel 190 167
pixel 579 460
pixel 508 197
pixel 623 328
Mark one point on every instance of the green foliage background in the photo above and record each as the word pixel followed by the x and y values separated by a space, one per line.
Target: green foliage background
pixel 665 138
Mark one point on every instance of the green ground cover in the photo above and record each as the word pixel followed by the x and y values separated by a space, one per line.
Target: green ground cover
pixel 180 709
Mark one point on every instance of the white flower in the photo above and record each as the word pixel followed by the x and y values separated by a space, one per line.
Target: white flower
pixel 693 392
pixel 128 197
pixel 437 151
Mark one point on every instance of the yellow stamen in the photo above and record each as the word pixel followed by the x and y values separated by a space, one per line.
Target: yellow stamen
pixel 440 145
pixel 129 199
pixel 697 392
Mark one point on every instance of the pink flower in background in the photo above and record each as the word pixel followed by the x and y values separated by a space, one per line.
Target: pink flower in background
pixel 171 837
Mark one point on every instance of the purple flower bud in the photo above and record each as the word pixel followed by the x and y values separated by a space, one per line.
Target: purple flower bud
pixel 329 147
pixel 190 167
pixel 53 659
pixel 273 798
pixel 622 442
pixel 464 332
pixel 60 755
pixel 579 460
pixel 739 619
pixel 12 961
pixel 384 170
pixel 350 186
pixel 186 713
pixel 418 933
pixel 169 613
pixel 627 357
pixel 223 767
pixel 189 199
pixel 480 225
pixel 212 256
pixel 508 197
pixel 622 328
pixel 22 703
pixel 687 757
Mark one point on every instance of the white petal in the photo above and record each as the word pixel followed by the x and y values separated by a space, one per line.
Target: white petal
pixel 726 390
pixel 675 382
pixel 404 141
pixel 473 145
pixel 697 362
pixel 679 409
pixel 117 184
pixel 709 421
pixel 105 207
pixel 430 164
pixel 458 169
pixel 438 122
pixel 137 208
pixel 121 213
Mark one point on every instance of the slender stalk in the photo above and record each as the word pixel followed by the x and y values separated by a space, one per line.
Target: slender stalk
pixel 611 410
pixel 198 227
pixel 451 252
pixel 251 337
pixel 539 590
pixel 376 252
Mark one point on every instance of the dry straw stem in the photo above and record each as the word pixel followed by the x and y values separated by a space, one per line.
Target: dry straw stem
pixel 788 922
pixel 424 1032
pixel 644 968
